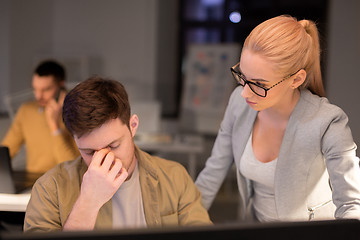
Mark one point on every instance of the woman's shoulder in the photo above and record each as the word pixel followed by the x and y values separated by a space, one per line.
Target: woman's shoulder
pixel 319 105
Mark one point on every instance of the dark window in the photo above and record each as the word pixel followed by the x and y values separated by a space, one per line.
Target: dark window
pixel 230 21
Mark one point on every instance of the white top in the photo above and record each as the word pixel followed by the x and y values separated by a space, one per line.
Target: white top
pixel 127 204
pixel 262 178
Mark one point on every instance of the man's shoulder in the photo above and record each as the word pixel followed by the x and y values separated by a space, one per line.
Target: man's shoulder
pixel 62 173
pixel 29 107
pixel 169 164
pixel 158 161
pixel 161 167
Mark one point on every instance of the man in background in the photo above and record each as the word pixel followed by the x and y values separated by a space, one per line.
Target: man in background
pixel 38 124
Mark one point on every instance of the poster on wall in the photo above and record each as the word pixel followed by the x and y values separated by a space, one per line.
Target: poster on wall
pixel 208 84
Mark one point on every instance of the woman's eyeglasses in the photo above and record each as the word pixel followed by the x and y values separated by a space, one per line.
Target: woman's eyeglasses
pixel 256 88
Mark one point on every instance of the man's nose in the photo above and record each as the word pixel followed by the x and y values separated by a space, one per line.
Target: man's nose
pixel 38 94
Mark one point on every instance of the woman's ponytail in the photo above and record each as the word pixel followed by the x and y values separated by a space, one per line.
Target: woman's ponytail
pixel 290 45
pixel 314 82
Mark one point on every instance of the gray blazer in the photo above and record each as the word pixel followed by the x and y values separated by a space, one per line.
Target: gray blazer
pixel 317 174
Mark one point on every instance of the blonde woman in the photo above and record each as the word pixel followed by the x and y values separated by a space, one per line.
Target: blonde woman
pixel 293 151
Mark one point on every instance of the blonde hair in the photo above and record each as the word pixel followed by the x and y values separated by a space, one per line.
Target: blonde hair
pixel 291 45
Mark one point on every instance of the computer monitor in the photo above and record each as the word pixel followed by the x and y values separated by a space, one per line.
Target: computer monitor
pixel 314 230
pixel 12 182
pixel 6 178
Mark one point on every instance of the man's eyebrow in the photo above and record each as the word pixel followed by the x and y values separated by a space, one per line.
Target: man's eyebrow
pixel 44 89
pixel 90 149
pixel 253 79
pixel 86 149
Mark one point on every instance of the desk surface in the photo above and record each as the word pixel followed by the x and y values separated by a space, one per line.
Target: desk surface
pixel 183 143
pixel 18 202
pixel 14 202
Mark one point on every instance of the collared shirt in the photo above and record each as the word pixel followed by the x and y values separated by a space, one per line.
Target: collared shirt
pixel 170 197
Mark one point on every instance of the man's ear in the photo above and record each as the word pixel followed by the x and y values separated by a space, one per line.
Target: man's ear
pixel 134 124
pixel 299 78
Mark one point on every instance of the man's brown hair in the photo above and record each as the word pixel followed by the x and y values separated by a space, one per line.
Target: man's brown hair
pixel 92 103
pixel 51 68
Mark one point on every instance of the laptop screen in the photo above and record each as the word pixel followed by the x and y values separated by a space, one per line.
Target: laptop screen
pixel 7 184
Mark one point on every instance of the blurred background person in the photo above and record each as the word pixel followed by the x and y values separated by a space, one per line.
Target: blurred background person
pixel 38 123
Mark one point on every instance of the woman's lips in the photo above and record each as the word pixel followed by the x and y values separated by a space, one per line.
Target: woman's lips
pixel 249 102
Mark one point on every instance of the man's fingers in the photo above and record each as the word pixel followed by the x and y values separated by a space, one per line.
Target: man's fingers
pixel 115 168
pixel 98 157
pixel 121 176
pixel 108 161
pixel 61 98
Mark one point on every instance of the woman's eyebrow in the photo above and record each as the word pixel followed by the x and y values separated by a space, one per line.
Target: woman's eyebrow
pixel 253 79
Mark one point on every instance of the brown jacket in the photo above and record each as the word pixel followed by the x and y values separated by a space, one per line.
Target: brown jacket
pixel 169 196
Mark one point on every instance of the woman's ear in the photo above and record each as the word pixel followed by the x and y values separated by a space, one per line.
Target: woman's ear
pixel 134 124
pixel 299 78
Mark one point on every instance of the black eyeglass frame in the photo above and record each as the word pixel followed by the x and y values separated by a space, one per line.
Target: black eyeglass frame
pixel 235 73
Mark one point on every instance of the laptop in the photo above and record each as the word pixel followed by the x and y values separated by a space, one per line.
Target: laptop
pixel 14 181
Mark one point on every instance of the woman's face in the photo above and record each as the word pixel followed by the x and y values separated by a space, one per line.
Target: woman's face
pixel 259 70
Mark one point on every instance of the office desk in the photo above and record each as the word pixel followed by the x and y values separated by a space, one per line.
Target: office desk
pixel 23 183
pixel 13 206
pixel 187 144
pixel 14 202
pixel 12 211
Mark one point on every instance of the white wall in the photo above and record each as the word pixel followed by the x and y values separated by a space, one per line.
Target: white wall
pixel 121 39
pixel 343 63
pixel 118 37
pixel 24 30
pixel 4 49
pixel 30 34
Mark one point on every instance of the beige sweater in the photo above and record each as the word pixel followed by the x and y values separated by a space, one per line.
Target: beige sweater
pixel 43 149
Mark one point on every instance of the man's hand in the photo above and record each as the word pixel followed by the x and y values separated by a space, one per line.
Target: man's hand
pixel 103 178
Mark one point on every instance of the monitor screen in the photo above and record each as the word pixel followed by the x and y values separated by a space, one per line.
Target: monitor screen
pixel 334 229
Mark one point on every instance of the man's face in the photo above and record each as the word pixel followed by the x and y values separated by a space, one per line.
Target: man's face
pixel 44 88
pixel 114 136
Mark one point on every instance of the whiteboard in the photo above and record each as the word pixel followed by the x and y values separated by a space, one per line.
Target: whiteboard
pixel 208 84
